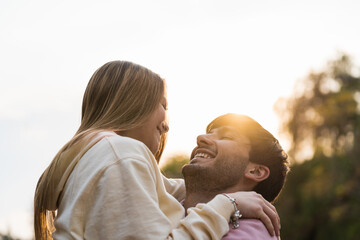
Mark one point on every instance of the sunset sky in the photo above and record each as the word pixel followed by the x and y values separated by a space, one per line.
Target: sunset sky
pixel 216 56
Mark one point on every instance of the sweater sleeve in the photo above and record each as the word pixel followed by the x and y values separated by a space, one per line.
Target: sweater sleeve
pixel 175 187
pixel 125 205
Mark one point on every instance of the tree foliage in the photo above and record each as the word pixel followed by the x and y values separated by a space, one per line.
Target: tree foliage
pixel 321 199
pixel 7 237
pixel 173 166
pixel 324 112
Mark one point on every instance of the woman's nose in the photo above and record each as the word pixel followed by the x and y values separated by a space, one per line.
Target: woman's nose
pixel 164 127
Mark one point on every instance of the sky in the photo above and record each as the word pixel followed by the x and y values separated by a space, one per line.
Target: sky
pixel 216 56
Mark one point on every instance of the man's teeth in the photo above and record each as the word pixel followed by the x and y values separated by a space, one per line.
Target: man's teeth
pixel 202 155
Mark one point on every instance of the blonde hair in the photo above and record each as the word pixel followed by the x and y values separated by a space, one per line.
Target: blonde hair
pixel 119 96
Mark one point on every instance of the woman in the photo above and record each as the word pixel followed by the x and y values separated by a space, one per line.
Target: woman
pixel 105 182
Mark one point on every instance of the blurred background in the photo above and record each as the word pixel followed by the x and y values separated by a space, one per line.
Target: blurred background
pixel 292 66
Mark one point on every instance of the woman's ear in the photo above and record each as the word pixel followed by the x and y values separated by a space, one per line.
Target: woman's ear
pixel 256 172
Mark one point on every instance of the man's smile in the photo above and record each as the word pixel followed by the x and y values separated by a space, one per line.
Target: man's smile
pixel 201 155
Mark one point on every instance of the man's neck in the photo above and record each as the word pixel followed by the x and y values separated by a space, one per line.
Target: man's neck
pixel 193 198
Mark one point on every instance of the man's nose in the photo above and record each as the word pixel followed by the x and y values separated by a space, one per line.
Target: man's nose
pixel 204 139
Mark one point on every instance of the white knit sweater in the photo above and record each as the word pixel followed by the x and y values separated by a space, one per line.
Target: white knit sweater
pixel 116 191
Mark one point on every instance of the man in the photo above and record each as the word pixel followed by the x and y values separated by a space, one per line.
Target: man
pixel 236 154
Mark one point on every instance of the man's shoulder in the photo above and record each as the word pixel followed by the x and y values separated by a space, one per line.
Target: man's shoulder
pixel 249 229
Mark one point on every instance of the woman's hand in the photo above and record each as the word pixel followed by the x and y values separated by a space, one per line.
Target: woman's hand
pixel 253 205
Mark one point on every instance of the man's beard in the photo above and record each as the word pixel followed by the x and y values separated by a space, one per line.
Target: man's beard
pixel 212 179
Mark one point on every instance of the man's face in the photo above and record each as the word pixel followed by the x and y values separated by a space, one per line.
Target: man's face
pixel 219 160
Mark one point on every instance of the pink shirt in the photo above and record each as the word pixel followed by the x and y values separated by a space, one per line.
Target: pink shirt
pixel 249 229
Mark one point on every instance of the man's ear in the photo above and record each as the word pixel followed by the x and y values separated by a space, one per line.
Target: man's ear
pixel 256 172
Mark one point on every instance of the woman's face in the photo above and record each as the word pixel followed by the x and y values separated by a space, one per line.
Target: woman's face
pixel 150 132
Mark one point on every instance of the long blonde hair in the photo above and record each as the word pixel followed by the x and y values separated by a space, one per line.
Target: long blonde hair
pixel 120 96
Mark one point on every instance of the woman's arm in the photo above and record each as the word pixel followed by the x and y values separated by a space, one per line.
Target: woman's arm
pixel 250 204
pixel 127 204
pixel 253 205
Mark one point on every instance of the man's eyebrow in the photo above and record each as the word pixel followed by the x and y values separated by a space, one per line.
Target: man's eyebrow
pixel 226 129
pixel 231 130
pixel 220 130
